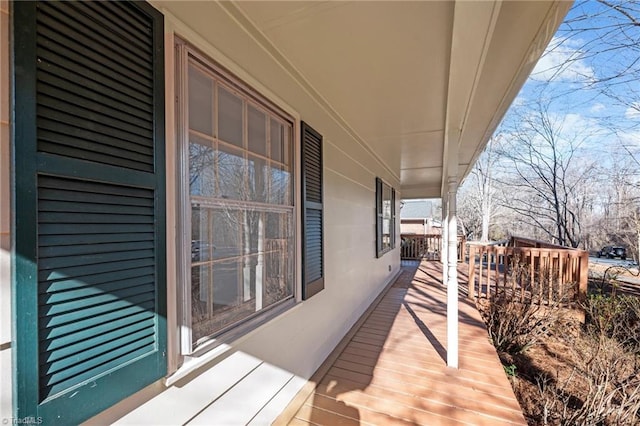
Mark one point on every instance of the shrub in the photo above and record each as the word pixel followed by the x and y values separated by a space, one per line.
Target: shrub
pixel 614 317
pixel 608 376
pixel 600 382
pixel 604 385
pixel 515 326
pixel 517 320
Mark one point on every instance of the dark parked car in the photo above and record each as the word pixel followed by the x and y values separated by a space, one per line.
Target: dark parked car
pixel 612 251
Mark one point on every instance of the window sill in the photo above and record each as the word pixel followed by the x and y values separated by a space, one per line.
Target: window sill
pixel 225 344
pixel 192 364
pixel 382 253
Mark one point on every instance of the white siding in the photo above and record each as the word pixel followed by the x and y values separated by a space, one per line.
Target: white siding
pixel 260 372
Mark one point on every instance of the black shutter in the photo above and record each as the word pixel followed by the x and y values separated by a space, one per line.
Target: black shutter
pixel 312 246
pixel 89 267
pixel 379 217
pixel 393 218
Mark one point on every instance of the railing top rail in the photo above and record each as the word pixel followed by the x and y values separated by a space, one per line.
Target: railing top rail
pixel 516 241
pixel 425 235
pixel 566 250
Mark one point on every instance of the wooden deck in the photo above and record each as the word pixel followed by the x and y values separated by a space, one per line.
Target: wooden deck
pixel 392 368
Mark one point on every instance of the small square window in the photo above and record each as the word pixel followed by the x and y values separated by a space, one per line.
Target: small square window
pixel 385 217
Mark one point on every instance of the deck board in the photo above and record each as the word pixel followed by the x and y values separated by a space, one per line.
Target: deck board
pixel 393 369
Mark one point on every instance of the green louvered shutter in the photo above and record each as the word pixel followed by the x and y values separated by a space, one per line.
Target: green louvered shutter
pixel 89 261
pixel 312 219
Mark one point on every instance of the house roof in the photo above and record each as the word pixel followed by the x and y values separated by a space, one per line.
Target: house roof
pixel 421 85
pixel 416 209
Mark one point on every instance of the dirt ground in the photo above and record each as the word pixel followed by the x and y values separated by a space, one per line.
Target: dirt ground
pixel 548 363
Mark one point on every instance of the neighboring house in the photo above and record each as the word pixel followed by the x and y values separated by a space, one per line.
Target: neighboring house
pixel 187 189
pixel 417 217
pixel 426 226
pixel 412 209
pixel 418 227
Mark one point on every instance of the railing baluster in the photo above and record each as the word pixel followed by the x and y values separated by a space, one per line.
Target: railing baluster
pixel 552 276
pixel 541 271
pixel 472 272
pixel 532 274
pixel 561 274
pixel 489 261
pixel 481 290
pixel 505 267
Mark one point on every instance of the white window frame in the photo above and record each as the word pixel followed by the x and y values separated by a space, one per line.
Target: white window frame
pixel 181 52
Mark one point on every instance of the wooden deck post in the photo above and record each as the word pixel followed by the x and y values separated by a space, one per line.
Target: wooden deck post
pixel 584 276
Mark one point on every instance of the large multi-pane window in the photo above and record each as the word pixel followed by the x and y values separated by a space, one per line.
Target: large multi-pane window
pixel 237 184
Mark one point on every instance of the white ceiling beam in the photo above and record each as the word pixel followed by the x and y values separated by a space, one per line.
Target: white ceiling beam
pixel 473 27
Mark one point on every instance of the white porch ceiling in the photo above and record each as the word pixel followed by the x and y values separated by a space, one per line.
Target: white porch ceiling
pixel 414 80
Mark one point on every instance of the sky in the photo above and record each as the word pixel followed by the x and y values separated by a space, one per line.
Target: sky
pixel 574 80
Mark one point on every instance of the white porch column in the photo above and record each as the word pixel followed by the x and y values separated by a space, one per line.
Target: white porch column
pixel 444 226
pixel 452 275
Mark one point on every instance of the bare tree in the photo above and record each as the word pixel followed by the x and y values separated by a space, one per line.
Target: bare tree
pixel 483 170
pixel 631 238
pixel 599 44
pixel 623 219
pixel 572 186
pixel 594 61
pixel 545 174
pixel 478 202
pixel 468 212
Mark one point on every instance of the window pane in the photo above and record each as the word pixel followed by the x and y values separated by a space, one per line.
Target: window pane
pixel 201 167
pixel 257 131
pixel 278 279
pixel 276 226
pixel 286 145
pixel 277 141
pixel 229 117
pixel 252 277
pixel 253 232
pixel 231 173
pixel 386 236
pixel 200 101
pixel 278 257
pixel 280 136
pixel 225 285
pixel 201 249
pixel 257 179
pixel 200 300
pixel 280 191
pixel 386 201
pixel 227 229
